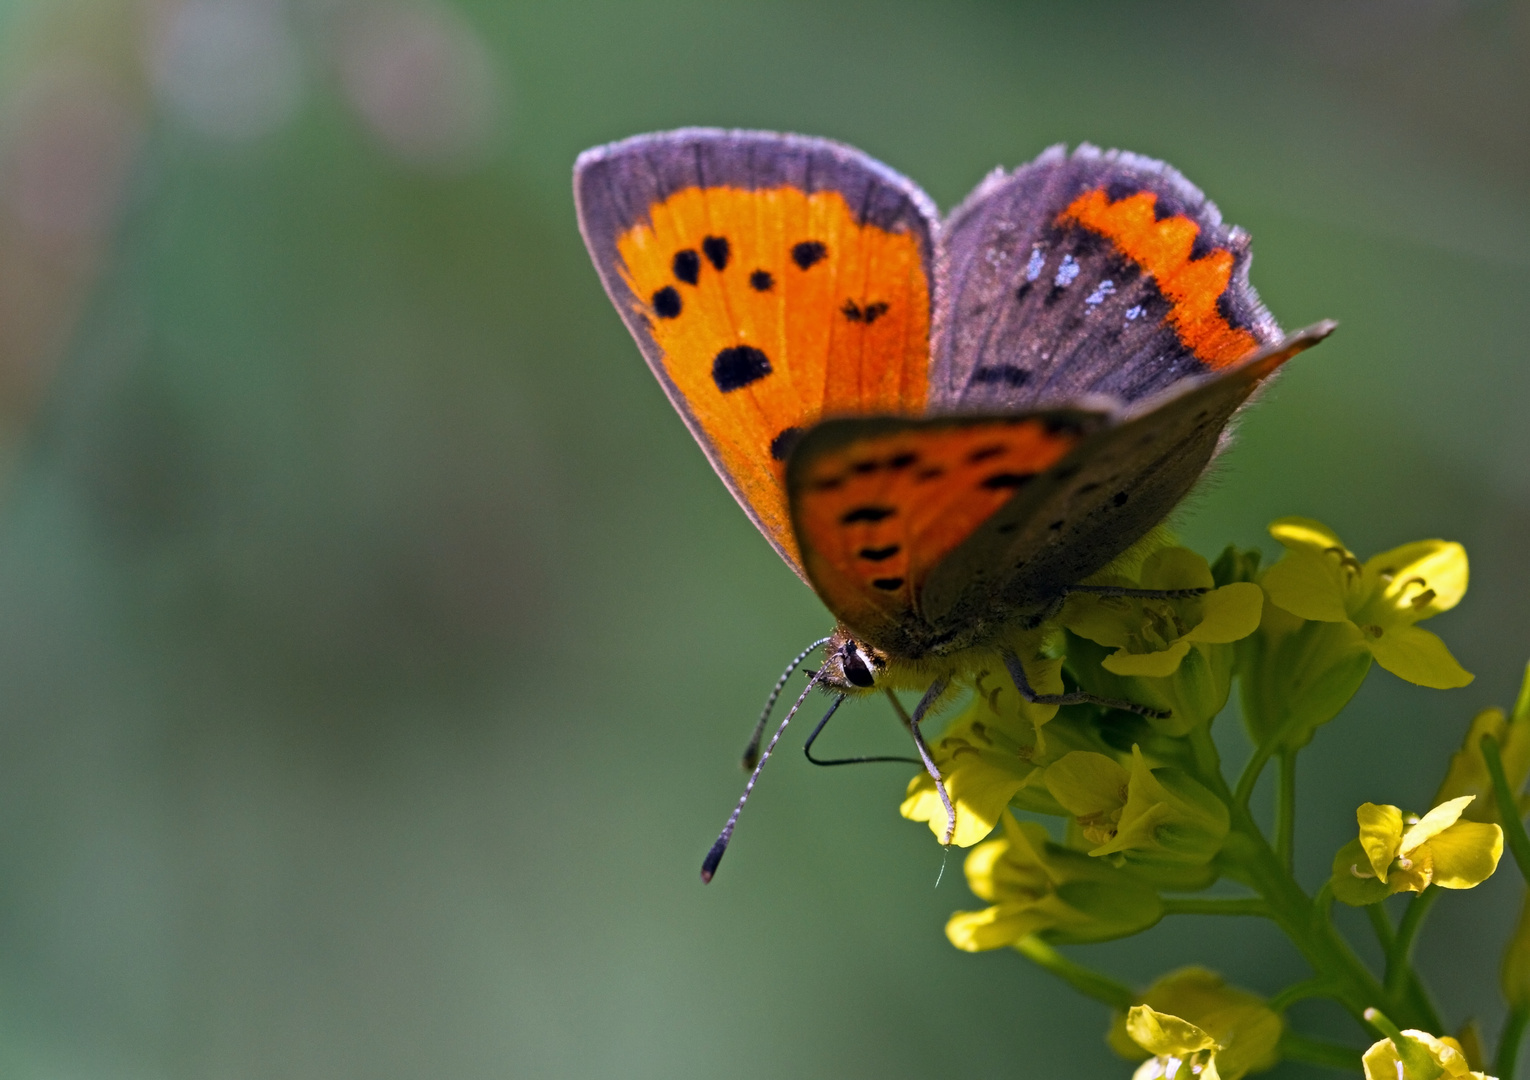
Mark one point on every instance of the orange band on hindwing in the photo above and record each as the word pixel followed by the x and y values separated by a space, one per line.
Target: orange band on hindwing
pixel 774 308
pixel 1162 248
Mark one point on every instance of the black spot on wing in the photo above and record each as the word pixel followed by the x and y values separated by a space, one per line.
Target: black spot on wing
pixel 761 281
pixel 934 472
pixel 687 266
pixel 736 367
pixel 983 453
pixel 1118 499
pixel 1001 375
pixel 902 461
pixel 867 513
pixel 888 584
pixel 881 554
pixel 716 250
pixel 809 252
pixel 781 445
pixel 1003 480
pixel 666 302
pixel 1117 190
pixel 868 314
pixel 864 467
pixel 1201 246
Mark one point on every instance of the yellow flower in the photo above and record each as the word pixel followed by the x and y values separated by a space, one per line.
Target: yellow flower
pixel 1246 1030
pixel 1394 854
pixel 1468 774
pixel 1428 1058
pixel 1037 887
pixel 1321 580
pixel 1152 819
pixel 1175 655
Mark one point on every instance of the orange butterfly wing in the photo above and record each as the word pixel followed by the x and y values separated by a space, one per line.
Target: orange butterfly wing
pixel 770 281
pixel 880 503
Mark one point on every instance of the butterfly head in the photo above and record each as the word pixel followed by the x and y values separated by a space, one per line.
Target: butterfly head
pixel 851 665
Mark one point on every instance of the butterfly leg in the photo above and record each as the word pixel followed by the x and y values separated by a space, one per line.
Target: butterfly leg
pixel 1078 697
pixel 935 690
pixel 1139 594
pixel 807 747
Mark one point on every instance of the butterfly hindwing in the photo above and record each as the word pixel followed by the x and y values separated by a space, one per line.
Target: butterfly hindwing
pixel 769 280
pixel 880 503
pixel 1096 273
pixel 1108 492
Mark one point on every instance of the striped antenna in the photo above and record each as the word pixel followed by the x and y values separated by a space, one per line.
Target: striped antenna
pixel 709 864
pixel 752 751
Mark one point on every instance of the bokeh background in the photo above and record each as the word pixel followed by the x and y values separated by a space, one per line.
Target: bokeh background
pixel 375 646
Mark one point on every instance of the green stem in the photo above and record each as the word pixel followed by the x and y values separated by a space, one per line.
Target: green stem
pixel 1198 905
pixel 1252 770
pixel 1508 807
pixel 1085 980
pixel 1381 922
pixel 1307 988
pixel 1285 808
pixel 1400 955
pixel 1386 936
pixel 1305 923
pixel 1509 1042
pixel 1317 1052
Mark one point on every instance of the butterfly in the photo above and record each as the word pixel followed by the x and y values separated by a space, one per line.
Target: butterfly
pixel 942 426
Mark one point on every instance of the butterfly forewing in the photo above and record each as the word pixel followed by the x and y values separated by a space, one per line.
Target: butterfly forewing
pixel 1099 273
pixel 769 280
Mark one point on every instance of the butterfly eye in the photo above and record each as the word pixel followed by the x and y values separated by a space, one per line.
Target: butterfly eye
pixel 857 671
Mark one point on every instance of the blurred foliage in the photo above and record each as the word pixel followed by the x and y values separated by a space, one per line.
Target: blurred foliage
pixel 376 648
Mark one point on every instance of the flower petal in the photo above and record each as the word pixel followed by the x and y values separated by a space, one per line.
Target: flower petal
pixel 1085 783
pixel 1439 566
pixel 1433 823
pixel 1309 584
pixel 1381 828
pixel 995 927
pixel 1152 664
pixel 1176 568
pixel 1418 656
pixel 1229 614
pixel 1466 854
pixel 1298 533
pixel 980 865
pixel 1163 1034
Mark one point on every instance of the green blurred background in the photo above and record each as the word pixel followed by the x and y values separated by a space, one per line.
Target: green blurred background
pixel 375 646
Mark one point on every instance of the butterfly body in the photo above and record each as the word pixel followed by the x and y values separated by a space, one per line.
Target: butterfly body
pixel 940 426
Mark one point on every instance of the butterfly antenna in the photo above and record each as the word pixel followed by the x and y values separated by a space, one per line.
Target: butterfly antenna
pixel 709 864
pixel 752 751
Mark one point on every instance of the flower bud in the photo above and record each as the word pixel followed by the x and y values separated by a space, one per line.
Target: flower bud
pixel 1160 822
pixel 1468 773
pixel 1245 1031
pixel 1515 973
pixel 1295 675
pixel 1175 655
pixel 1038 887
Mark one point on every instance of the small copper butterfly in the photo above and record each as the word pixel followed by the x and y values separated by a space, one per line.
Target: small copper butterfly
pixel 943 426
